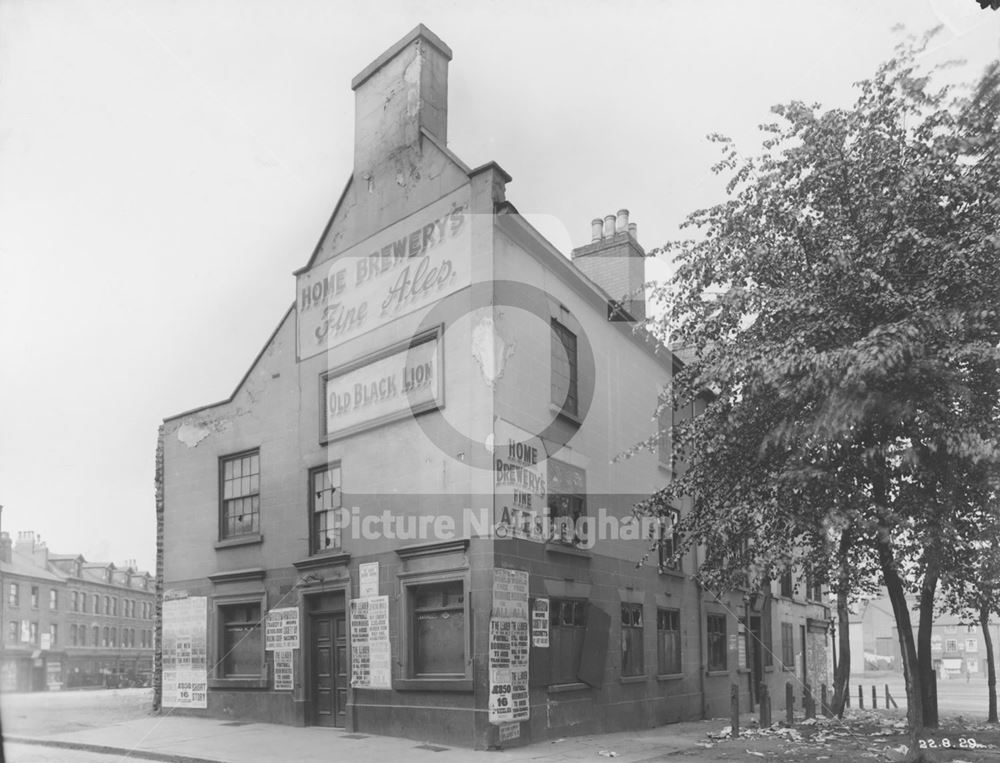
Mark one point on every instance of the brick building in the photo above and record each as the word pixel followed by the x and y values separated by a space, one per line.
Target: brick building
pixel 70 623
pixel 406 519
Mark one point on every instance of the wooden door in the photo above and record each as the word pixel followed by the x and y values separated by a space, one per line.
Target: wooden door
pixel 328 665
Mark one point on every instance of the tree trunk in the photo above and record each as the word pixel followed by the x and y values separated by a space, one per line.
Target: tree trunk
pixel 991 669
pixel 924 661
pixel 897 597
pixel 842 675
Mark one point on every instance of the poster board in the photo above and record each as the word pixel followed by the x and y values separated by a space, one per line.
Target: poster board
pixel 185 652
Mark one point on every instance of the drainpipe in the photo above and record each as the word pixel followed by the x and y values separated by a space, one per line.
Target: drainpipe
pixel 702 662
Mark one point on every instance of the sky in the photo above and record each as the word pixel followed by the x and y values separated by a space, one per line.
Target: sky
pixel 166 165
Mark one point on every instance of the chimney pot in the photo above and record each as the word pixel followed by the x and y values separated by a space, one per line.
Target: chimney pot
pixel 633 231
pixel 609 226
pixel 596 225
pixel 621 224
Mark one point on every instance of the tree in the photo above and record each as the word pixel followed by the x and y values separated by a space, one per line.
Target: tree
pixel 841 308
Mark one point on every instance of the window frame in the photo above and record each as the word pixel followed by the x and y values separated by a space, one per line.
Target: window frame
pixel 338 547
pixel 557 532
pixel 409 679
pixel 629 632
pixel 255 531
pixel 559 332
pixel 787 647
pixel 556 606
pixel 35 594
pixel 716 639
pixel 216 642
pixel 663 663
pixel 53 600
pixel 14 595
pixel 663 565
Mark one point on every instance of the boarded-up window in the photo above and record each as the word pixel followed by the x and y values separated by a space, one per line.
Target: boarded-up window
pixel 567 627
pixel 595 647
pixel 787 646
pixel 438 629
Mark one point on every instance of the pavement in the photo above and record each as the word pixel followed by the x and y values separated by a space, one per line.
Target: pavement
pixel 200 740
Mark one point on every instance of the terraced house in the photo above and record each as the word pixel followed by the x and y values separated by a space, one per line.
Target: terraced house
pixel 70 623
pixel 406 519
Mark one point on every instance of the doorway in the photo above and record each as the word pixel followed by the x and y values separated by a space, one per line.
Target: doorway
pixel 328 668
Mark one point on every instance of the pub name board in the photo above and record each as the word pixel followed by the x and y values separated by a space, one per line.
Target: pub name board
pixel 401 381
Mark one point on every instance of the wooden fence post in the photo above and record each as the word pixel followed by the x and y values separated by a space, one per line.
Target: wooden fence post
pixel 861 697
pixel 824 706
pixel 789 703
pixel 874 698
pixel 765 706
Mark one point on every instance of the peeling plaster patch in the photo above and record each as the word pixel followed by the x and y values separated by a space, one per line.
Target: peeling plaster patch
pixel 192 434
pixel 491 349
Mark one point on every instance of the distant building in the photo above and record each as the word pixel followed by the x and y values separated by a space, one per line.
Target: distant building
pixel 70 623
pixel 384 528
pixel 958 648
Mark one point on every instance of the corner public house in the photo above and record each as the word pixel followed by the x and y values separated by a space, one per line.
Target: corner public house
pixel 406 520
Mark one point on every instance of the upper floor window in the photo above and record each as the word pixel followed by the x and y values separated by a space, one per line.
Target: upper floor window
pixel 669 540
pixel 240 514
pixel 75 601
pixel 564 368
pixel 14 595
pixel 34 597
pixel 787 646
pixel 97 604
pixel 33 633
pixel 53 598
pixel 567 500
pixel 785 582
pixel 107 605
pixel 13 631
pixel 325 500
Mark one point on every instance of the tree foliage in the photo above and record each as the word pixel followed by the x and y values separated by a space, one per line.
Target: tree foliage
pixel 841 310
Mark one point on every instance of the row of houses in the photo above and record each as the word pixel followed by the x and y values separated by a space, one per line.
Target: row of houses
pixel 958 646
pixel 409 517
pixel 70 623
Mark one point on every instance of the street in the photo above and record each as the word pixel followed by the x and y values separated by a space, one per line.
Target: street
pixel 955 696
pixel 44 713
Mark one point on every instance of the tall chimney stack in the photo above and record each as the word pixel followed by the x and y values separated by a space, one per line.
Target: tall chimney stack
pixel 614 261
pixel 401 92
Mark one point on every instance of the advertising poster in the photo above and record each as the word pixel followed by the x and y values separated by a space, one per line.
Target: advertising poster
pixel 185 652
pixel 371 655
pixel 283 671
pixel 509 643
pixel 540 624
pixel 281 629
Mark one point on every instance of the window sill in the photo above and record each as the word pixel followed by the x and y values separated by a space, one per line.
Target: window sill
pixel 632 679
pixel 433 684
pixel 242 540
pixel 672 573
pixel 557 547
pixel 669 676
pixel 237 683
pixel 769 668
pixel 561 413
pixel 713 673
pixel 563 688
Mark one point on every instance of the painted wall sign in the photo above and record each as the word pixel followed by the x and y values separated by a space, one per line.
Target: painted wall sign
pixel 509 731
pixel 403 380
pixel 371 655
pixel 284 676
pixel 281 629
pixel 185 653
pixel 412 263
pixel 540 623
pixel 368 579
pixel 520 483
